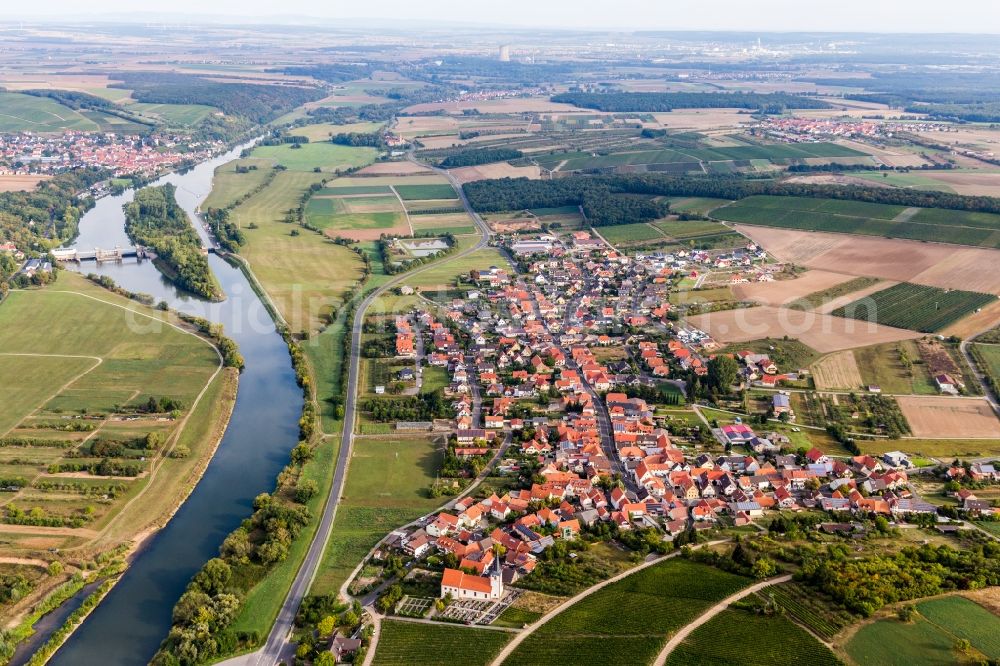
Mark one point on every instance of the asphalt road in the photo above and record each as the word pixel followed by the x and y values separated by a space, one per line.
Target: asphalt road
pixel 278 648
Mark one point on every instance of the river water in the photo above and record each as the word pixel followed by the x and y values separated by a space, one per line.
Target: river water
pixel 127 627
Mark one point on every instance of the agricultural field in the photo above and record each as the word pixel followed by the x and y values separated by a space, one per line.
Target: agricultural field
pixel 688 229
pixel 988 356
pixel 915 307
pixel 870 219
pixel 306 275
pixel 74 427
pixel 444 275
pixel 228 185
pixel 837 371
pixel 453 223
pixel 405 643
pixel 418 192
pixel 326 157
pixel 746 638
pixel 604 627
pixel 27 113
pixel 174 115
pixel 323 131
pixel 823 333
pixel 690 159
pixel 697 205
pixel 386 488
pixel 20 182
pixel 930 638
pixel 934 264
pixel 940 417
pixel 621 234
pixel 804 291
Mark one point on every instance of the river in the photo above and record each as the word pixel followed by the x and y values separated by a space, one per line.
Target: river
pixel 127 627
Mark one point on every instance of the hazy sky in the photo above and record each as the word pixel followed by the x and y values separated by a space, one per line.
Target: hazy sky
pixel 778 15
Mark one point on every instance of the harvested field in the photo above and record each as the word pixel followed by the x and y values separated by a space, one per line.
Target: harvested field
pixel 499 170
pixel 392 169
pixel 782 292
pixel 933 264
pixel 976 323
pixel 20 182
pixel 945 417
pixel 824 333
pixel 837 371
pixel 972 183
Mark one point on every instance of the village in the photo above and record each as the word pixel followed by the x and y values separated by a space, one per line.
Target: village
pixel 559 368
pixel 123 155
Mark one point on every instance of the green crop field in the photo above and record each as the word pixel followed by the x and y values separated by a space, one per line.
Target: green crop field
pixel 630 620
pixel 407 643
pixel 684 230
pixel 870 219
pixel 930 639
pixel 965 619
pixel 323 131
pixel 26 113
pixel 989 358
pixel 699 205
pixel 413 192
pixel 354 189
pixel 326 156
pixel 228 186
pixel 455 223
pixel 351 221
pixel 915 307
pixel 444 274
pixel 305 275
pixel 386 488
pixel 175 115
pixel 72 356
pixel 586 160
pixel 630 233
pixel 747 639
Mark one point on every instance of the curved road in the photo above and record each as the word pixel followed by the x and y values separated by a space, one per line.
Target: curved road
pixel 278 648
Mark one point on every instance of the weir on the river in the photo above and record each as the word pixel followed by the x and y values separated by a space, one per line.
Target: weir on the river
pixel 127 627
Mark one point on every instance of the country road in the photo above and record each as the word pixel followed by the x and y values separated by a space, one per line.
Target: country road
pixel 277 648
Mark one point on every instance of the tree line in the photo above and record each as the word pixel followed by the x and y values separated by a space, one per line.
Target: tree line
pixel 480 156
pixel 521 193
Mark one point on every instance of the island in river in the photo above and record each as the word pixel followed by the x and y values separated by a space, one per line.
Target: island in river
pixel 154 219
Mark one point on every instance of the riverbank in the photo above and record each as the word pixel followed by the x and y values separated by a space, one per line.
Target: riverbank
pixel 150 499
